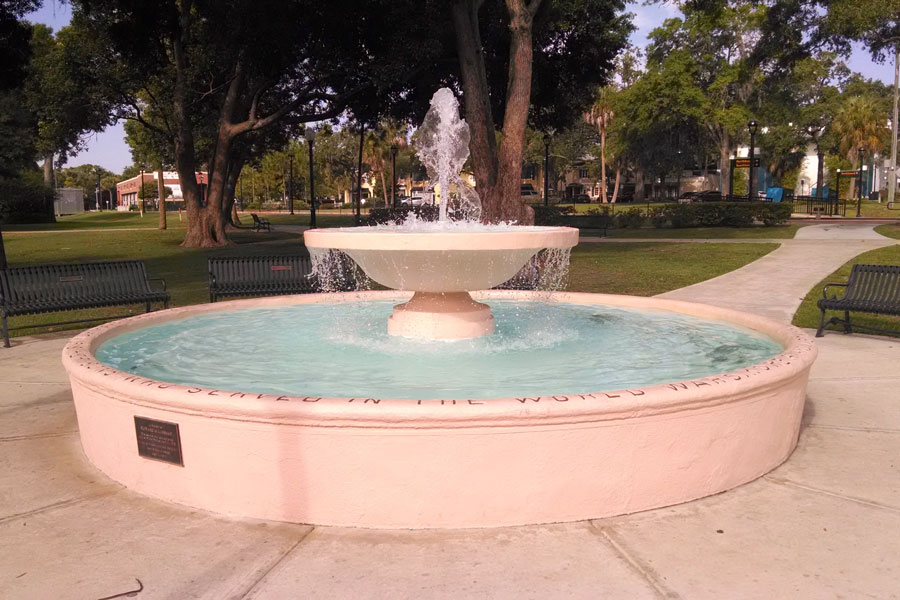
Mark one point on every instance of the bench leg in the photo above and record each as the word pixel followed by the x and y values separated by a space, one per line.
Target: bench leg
pixel 821 331
pixel 847 327
pixel 5 331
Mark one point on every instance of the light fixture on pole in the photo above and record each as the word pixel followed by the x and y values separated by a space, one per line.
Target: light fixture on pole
pixel 291 183
pixel 752 126
pixel 547 140
pixel 311 138
pixel 394 175
pixel 859 181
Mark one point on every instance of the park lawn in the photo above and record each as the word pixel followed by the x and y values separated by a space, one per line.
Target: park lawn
pixel 892 230
pixel 807 314
pixel 781 232
pixel 108 219
pixel 872 210
pixel 647 268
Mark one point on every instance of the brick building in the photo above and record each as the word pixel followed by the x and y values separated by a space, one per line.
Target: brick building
pixel 128 191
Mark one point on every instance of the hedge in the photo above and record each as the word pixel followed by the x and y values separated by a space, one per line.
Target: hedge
pixel 722 214
pixel 25 202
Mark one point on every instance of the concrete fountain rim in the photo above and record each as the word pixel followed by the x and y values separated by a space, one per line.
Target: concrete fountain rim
pixel 389 239
pixel 696 394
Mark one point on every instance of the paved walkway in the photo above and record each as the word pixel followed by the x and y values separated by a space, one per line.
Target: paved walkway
pixel 775 285
pixel 823 525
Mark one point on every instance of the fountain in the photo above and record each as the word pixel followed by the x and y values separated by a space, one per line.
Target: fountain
pixel 469 408
pixel 440 262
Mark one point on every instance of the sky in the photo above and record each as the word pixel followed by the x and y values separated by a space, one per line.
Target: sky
pixel 109 150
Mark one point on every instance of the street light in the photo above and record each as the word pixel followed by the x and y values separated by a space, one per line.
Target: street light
pixel 859 181
pixel 311 138
pixel 291 184
pixel 394 175
pixel 680 169
pixel 97 192
pixel 547 140
pixel 752 126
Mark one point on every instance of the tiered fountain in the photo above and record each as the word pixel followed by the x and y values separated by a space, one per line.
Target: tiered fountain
pixel 567 406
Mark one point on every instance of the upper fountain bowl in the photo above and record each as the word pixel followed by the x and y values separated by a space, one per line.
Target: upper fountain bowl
pixel 452 259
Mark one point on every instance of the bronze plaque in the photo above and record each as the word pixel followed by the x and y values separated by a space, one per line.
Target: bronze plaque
pixel 158 440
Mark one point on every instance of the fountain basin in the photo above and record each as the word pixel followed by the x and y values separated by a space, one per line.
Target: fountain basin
pixel 440 266
pixel 382 462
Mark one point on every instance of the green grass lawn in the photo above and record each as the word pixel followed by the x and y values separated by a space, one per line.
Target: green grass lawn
pixel 808 314
pixel 646 269
pixel 872 210
pixel 891 231
pixel 780 232
pixel 108 219
pixel 639 268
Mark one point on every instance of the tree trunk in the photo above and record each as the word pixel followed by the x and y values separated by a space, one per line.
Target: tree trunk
pixel 615 195
pixel 639 184
pixel 49 174
pixel 161 187
pixel 498 172
pixel 724 166
pixel 603 165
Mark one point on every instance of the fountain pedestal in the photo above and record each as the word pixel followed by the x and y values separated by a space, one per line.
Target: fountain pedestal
pixel 441 316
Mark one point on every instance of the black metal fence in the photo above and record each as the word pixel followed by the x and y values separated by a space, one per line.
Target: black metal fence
pixel 826 207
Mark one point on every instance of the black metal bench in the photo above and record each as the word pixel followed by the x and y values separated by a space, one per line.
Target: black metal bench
pixel 260 224
pixel 61 287
pixel 242 276
pixel 873 289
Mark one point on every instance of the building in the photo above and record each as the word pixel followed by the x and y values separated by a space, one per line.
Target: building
pixel 128 191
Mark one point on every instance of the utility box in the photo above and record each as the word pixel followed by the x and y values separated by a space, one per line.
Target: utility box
pixel 69 201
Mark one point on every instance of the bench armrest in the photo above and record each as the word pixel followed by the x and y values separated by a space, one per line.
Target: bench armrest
pixel 825 289
pixel 160 280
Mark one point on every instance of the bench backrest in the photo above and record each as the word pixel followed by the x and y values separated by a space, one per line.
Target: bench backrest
pixel 60 283
pixel 291 270
pixel 874 283
pixel 255 218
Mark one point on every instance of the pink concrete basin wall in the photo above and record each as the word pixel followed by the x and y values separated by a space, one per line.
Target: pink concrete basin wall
pixel 388 463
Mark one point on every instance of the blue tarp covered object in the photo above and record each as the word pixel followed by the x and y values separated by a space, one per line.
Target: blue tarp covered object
pixel 775 193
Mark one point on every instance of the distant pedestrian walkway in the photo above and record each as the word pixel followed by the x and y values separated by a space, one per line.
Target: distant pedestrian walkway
pixel 775 285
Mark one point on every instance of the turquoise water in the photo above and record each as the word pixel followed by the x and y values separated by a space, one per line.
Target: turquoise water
pixel 343 350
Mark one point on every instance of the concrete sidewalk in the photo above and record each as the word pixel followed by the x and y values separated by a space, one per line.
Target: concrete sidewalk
pixel 823 525
pixel 775 285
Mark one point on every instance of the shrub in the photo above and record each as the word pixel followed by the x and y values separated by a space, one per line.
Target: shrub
pixel 658 217
pixel 681 215
pixel 25 202
pixel 632 218
pixel 380 216
pixel 727 214
pixel 551 215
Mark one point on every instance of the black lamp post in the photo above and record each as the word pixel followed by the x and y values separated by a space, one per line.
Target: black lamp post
pixel 2 251
pixel 291 183
pixel 311 138
pixel 547 140
pixel 859 180
pixel 394 175
pixel 752 126
pixel 97 191
pixel 362 132
pixel 680 169
pixel 838 198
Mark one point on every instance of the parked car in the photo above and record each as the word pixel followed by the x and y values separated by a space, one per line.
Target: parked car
pixel 704 196
pixel 528 191
pixel 582 199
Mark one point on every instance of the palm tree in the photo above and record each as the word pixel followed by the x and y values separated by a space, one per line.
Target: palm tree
pixel 600 116
pixel 378 149
pixel 860 123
